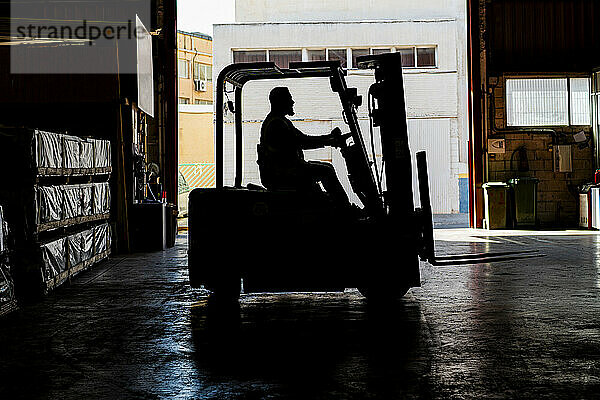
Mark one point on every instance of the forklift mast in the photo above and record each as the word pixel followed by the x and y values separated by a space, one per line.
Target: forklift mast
pixel 389 114
pixel 360 172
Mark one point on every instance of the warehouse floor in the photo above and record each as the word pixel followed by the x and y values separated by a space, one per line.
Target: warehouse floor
pixel 132 328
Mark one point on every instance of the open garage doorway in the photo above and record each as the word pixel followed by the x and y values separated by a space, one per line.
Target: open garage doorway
pixel 533 108
pixel 196 168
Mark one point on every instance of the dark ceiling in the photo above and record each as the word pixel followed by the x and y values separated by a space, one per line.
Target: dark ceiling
pixel 542 35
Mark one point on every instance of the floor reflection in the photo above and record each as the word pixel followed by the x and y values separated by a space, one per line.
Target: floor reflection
pixel 314 345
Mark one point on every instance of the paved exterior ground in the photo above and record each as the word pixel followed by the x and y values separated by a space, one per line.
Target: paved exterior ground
pixel 132 328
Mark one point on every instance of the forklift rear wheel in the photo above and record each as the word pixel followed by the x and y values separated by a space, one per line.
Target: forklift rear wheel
pixel 387 294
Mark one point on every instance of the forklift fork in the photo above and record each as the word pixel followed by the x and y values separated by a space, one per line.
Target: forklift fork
pixel 427 246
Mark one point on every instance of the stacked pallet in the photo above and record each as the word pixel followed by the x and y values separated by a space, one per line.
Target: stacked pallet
pixel 54 154
pixel 63 257
pixel 58 205
pixel 65 205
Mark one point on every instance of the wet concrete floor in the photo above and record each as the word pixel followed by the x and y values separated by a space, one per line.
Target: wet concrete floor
pixel 132 328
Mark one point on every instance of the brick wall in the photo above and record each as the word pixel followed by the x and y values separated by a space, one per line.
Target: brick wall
pixel 557 202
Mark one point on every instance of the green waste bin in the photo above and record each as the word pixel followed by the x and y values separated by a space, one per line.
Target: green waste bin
pixel 496 196
pixel 524 201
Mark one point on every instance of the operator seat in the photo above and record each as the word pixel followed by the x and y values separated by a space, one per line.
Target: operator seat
pixel 277 183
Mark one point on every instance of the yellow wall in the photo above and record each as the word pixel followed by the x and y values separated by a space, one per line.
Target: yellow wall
pixel 195 50
pixel 196 144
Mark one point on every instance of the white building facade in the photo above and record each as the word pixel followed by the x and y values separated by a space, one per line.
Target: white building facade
pixel 431 35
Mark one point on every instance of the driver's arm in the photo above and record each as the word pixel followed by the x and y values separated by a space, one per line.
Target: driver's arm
pixel 308 142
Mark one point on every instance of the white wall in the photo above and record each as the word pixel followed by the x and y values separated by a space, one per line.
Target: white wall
pixel 442 32
pixel 344 10
pixel 435 98
pixel 430 92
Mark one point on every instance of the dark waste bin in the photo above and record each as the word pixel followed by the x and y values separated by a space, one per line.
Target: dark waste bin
pixel 496 205
pixel 148 226
pixel 524 201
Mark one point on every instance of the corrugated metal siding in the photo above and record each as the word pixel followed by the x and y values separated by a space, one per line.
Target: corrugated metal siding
pixel 433 137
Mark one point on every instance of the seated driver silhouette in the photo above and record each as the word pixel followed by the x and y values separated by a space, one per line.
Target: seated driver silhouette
pixel 281 158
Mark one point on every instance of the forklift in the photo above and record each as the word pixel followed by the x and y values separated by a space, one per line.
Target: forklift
pixel 298 241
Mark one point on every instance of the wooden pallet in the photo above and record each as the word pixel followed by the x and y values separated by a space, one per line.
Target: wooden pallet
pixel 71 221
pixel 43 171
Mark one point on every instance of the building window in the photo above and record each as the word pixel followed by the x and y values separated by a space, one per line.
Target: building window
pixel 198 72
pixel 250 56
pixel 184 100
pixel 547 102
pixel 419 57
pixel 316 55
pixel 408 57
pixel 203 102
pixel 358 53
pixel 184 69
pixel 337 54
pixel 202 72
pixel 380 51
pixel 580 101
pixel 426 57
pixel 283 58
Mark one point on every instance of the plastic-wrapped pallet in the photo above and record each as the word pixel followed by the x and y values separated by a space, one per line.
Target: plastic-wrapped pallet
pixel 81 250
pixel 101 198
pixel 81 247
pixel 48 150
pixel 74 243
pixel 49 204
pixel 102 157
pixel 71 152
pixel 87 195
pixel 41 198
pixel 102 238
pixel 72 201
pixel 54 259
pixel 86 155
pixel 87 245
pixel 108 153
